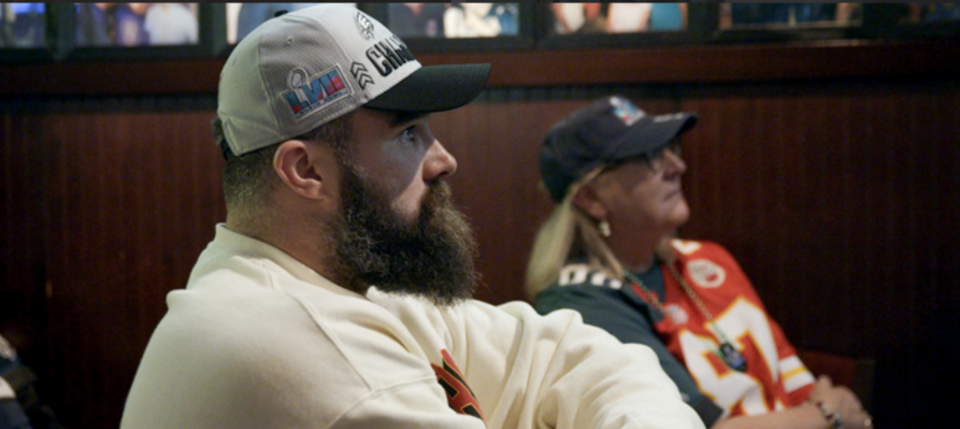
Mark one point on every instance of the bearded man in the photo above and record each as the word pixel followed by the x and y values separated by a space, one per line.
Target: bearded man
pixel 337 292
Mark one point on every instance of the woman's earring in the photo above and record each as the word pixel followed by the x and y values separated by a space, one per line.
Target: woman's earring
pixel 604 228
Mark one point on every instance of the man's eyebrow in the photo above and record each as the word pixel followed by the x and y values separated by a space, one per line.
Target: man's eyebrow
pixel 404 117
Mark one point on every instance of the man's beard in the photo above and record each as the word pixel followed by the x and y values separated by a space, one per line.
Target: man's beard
pixel 376 246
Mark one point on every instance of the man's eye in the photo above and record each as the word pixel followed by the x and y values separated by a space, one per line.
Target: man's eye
pixel 408 135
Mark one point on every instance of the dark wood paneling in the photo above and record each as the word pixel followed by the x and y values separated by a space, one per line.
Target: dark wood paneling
pixel 133 199
pixel 22 303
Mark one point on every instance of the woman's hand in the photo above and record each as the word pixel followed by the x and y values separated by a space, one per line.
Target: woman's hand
pixel 840 399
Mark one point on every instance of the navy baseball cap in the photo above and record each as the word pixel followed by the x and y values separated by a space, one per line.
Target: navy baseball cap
pixel 609 130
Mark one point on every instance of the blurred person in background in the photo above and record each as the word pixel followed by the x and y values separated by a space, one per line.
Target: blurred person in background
pixel 22 25
pixel 417 19
pixel 471 20
pixel 92 25
pixel 609 251
pixel 172 24
pixel 641 17
pixel 20 405
pixel 128 24
pixel 578 18
pixel 628 17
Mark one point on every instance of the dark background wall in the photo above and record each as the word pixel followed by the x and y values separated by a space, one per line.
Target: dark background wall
pixel 831 172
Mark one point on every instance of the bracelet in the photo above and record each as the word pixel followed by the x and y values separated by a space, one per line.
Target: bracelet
pixel 833 418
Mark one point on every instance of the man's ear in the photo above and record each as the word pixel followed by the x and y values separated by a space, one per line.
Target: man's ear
pixel 586 199
pixel 305 168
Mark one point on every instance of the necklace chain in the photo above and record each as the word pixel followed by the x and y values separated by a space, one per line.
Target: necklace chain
pixel 686 288
pixel 648 294
pixel 727 352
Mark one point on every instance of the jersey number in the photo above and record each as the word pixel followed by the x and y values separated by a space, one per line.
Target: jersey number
pixel 742 322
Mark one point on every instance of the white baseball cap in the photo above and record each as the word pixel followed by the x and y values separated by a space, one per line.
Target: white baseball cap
pixel 302 69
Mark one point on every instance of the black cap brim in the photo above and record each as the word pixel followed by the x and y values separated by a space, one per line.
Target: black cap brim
pixel 644 139
pixel 434 89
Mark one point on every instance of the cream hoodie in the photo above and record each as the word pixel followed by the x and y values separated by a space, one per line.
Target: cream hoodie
pixel 258 340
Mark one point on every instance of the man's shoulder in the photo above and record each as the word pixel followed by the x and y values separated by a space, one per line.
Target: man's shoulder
pixel 249 302
pixel 224 333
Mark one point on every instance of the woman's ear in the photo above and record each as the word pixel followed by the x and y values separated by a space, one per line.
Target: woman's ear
pixel 305 168
pixel 587 199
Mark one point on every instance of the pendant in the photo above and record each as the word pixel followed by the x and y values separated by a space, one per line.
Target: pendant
pixel 732 357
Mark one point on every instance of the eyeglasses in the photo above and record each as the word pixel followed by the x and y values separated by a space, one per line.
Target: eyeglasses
pixel 652 161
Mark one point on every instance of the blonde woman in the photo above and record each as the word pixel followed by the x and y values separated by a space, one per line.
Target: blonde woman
pixel 608 251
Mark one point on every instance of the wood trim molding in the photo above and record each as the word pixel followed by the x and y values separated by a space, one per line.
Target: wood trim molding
pixel 539 67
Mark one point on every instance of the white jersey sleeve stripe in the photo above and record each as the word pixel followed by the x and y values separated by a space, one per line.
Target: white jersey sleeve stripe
pixel 795 375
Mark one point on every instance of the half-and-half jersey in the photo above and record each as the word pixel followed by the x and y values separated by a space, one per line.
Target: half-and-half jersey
pixel 683 338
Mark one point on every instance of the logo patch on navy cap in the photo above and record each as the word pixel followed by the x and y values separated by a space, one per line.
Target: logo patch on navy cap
pixel 626 111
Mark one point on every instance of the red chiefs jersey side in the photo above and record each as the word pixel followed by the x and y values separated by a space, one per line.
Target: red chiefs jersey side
pixel 774 377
